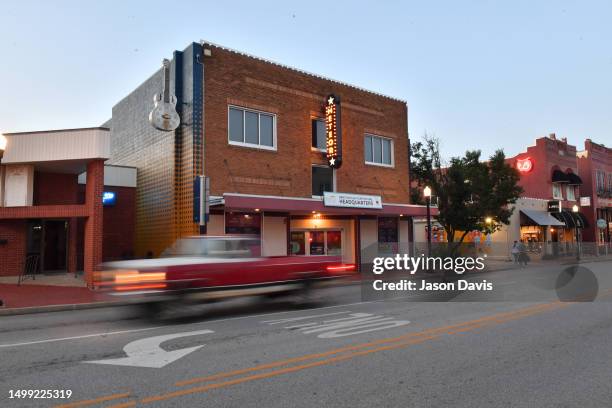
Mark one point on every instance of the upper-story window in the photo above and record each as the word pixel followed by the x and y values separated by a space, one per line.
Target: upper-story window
pixel 570 193
pixel 318 135
pixel 599 180
pixel 322 179
pixel 378 150
pixel 247 127
pixel 557 192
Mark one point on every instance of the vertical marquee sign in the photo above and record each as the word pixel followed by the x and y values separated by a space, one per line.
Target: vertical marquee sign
pixel 333 131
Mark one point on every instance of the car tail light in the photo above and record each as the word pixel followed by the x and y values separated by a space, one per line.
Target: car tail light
pixel 134 280
pixel 341 268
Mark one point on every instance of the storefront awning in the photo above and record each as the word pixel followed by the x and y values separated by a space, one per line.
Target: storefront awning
pixel 542 218
pixel 574 179
pixel 559 177
pixel 295 205
pixel 571 219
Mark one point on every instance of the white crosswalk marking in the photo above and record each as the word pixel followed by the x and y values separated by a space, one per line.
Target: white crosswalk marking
pixel 352 324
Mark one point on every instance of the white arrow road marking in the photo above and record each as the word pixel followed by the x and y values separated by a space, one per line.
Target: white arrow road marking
pixel 148 353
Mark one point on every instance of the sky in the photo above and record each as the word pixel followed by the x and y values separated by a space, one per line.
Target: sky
pixel 476 74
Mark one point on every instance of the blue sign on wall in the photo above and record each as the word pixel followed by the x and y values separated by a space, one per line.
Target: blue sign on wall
pixel 109 198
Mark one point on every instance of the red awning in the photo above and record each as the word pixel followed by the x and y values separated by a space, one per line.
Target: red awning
pixel 245 202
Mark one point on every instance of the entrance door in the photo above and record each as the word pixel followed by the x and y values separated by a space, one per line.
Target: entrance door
pixel 55 238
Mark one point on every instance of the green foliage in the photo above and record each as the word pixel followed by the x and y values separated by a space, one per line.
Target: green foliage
pixel 468 191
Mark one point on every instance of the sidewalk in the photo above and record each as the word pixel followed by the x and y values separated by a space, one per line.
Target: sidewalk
pixel 49 293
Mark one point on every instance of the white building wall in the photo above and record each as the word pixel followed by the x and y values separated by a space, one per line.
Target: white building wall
pixel 18 185
pixel 216 225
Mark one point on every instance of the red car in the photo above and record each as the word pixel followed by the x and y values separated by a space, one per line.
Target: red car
pixel 206 268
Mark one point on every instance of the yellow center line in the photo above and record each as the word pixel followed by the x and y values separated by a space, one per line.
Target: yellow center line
pixel 281 371
pixel 85 403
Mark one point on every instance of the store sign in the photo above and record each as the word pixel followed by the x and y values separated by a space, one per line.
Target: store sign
pixel 333 131
pixel 351 200
pixel 554 206
pixel 601 223
pixel 524 165
pixel 585 201
pixel 109 198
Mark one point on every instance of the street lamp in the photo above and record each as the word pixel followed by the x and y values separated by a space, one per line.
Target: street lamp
pixel 488 220
pixel 575 211
pixel 427 195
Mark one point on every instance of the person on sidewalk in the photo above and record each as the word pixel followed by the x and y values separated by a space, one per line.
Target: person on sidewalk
pixel 515 252
pixel 523 258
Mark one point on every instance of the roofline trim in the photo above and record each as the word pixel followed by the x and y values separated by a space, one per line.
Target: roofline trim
pixel 202 42
pixel 58 130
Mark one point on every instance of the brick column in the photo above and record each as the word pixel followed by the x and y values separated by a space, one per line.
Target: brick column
pixel 72 245
pixel 93 224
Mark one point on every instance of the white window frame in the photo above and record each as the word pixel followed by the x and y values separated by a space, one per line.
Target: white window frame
pixel 252 145
pixel 333 178
pixel 392 146
pixel 316 149
pixel 560 195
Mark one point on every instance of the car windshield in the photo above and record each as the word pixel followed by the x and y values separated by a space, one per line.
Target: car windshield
pixel 214 248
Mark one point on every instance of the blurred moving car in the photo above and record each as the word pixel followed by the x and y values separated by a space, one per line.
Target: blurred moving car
pixel 208 268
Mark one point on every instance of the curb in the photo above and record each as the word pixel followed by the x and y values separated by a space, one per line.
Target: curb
pixel 61 308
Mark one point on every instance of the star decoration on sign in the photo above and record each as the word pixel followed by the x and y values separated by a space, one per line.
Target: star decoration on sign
pixel 330 101
pixel 332 161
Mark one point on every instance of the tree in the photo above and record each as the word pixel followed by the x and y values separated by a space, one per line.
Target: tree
pixel 472 195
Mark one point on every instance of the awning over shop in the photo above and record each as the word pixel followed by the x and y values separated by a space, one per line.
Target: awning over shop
pixel 571 219
pixel 294 205
pixel 542 218
pixel 574 179
pixel 559 177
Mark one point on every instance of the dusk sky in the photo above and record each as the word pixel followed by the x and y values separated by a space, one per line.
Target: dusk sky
pixel 477 74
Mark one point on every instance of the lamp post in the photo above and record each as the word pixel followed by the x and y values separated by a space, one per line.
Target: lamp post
pixel 427 195
pixel 575 211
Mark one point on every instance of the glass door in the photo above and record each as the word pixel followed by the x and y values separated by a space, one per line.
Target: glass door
pixel 316 242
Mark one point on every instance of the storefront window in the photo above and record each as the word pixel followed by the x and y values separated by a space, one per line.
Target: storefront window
pixel 298 243
pixel 320 242
pixel 387 234
pixel 334 243
pixel 242 223
pixel 317 243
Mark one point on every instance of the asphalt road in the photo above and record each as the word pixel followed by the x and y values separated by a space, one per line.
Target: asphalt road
pixel 530 350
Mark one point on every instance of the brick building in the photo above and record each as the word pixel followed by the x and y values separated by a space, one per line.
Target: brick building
pixel 551 184
pixel 257 130
pixel 595 168
pixel 52 214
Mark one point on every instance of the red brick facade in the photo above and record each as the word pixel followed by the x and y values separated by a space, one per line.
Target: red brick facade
pixel 12 246
pixel 547 155
pixel 596 158
pixel 296 98
pixel 91 237
pixel 55 189
pixel 94 188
